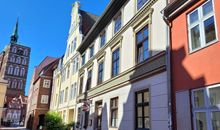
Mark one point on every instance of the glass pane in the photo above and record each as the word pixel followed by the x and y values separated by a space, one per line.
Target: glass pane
pixel 199 98
pixel 146 96
pixel 139 98
pixel 146 111
pixel 201 122
pixel 139 37
pixel 194 17
pixel 145 32
pixel 139 123
pixel 214 96
pixel 209 25
pixel 216 120
pixel 207 8
pixel 147 123
pixel 195 37
pixel 139 112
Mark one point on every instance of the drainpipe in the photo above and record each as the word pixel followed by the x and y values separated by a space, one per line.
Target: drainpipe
pixel 168 68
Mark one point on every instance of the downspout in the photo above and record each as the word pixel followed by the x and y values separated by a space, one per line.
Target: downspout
pixel 168 68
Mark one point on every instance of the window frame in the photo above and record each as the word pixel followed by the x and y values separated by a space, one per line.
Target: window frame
pixel 98 79
pixel 147 26
pixel 112 62
pixel 45 82
pixel 114 108
pixel 81 80
pixel 136 5
pixel 91 51
pixel 142 104
pixel 89 80
pixel 42 99
pixel 117 16
pixel 200 23
pixel 103 34
pixel 207 109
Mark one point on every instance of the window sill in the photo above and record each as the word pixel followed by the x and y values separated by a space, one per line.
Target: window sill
pixel 201 48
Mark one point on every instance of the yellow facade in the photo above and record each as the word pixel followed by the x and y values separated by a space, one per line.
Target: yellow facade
pixel 3 88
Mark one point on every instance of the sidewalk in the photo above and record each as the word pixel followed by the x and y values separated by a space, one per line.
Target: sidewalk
pixel 13 128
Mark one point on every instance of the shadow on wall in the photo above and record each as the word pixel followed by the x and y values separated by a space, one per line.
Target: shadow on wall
pixel 183 80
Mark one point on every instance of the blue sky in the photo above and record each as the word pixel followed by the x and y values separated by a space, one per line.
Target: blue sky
pixel 43 25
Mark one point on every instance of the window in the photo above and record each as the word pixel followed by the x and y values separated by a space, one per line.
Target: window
pixel 81 85
pixel 66 94
pixel 20 85
pixel 201 26
pixel 44 99
pixel 142 42
pixel 14 84
pixel 117 23
pixel 68 72
pixel 91 50
pixel 12 59
pixel 115 62
pixel 46 83
pixel 26 52
pixel 100 72
pixel 114 112
pixel 14 50
pixel 10 69
pixel 73 45
pixel 22 73
pixel 206 108
pixel 73 91
pixel 83 59
pixel 24 61
pixel 16 72
pixel 18 60
pixel 102 39
pixel 140 3
pixel 98 109
pixel 142 110
pixel 89 80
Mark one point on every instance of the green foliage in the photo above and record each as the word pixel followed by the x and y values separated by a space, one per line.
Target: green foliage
pixel 70 125
pixel 54 121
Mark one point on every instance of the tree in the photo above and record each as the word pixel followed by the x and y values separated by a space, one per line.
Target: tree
pixel 54 121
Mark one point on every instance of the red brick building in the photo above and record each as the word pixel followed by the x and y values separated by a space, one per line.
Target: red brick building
pixel 195 51
pixel 40 93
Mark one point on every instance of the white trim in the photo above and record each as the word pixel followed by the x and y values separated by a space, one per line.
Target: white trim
pixel 200 23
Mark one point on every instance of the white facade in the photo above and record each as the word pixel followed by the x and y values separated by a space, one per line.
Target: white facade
pixel 130 79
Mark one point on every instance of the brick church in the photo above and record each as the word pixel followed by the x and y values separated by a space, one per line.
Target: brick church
pixel 14 62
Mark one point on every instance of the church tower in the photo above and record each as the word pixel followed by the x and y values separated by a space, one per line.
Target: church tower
pixel 14 63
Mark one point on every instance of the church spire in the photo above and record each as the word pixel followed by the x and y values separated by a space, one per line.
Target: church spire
pixel 14 36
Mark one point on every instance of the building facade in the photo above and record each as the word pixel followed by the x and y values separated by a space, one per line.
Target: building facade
pixel 195 63
pixel 123 80
pixel 66 75
pixel 40 93
pixel 3 87
pixel 14 62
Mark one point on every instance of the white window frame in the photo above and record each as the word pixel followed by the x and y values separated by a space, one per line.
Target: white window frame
pixel 47 83
pixel 200 23
pixel 44 99
pixel 207 109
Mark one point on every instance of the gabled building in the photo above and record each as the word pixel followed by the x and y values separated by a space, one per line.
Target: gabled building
pixel 39 95
pixel 66 75
pixel 123 79
pixel 194 41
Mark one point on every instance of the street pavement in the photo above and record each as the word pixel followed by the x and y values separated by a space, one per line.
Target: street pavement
pixel 13 128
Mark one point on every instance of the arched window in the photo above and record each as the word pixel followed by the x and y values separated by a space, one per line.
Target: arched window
pixel 14 84
pixel 24 61
pixel 22 72
pixel 26 52
pixel 18 60
pixel 14 49
pixel 12 59
pixel 10 69
pixel 20 84
pixel 16 72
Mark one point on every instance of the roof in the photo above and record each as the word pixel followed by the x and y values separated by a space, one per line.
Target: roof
pixel 112 9
pixel 88 20
pixel 175 7
pixel 48 60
